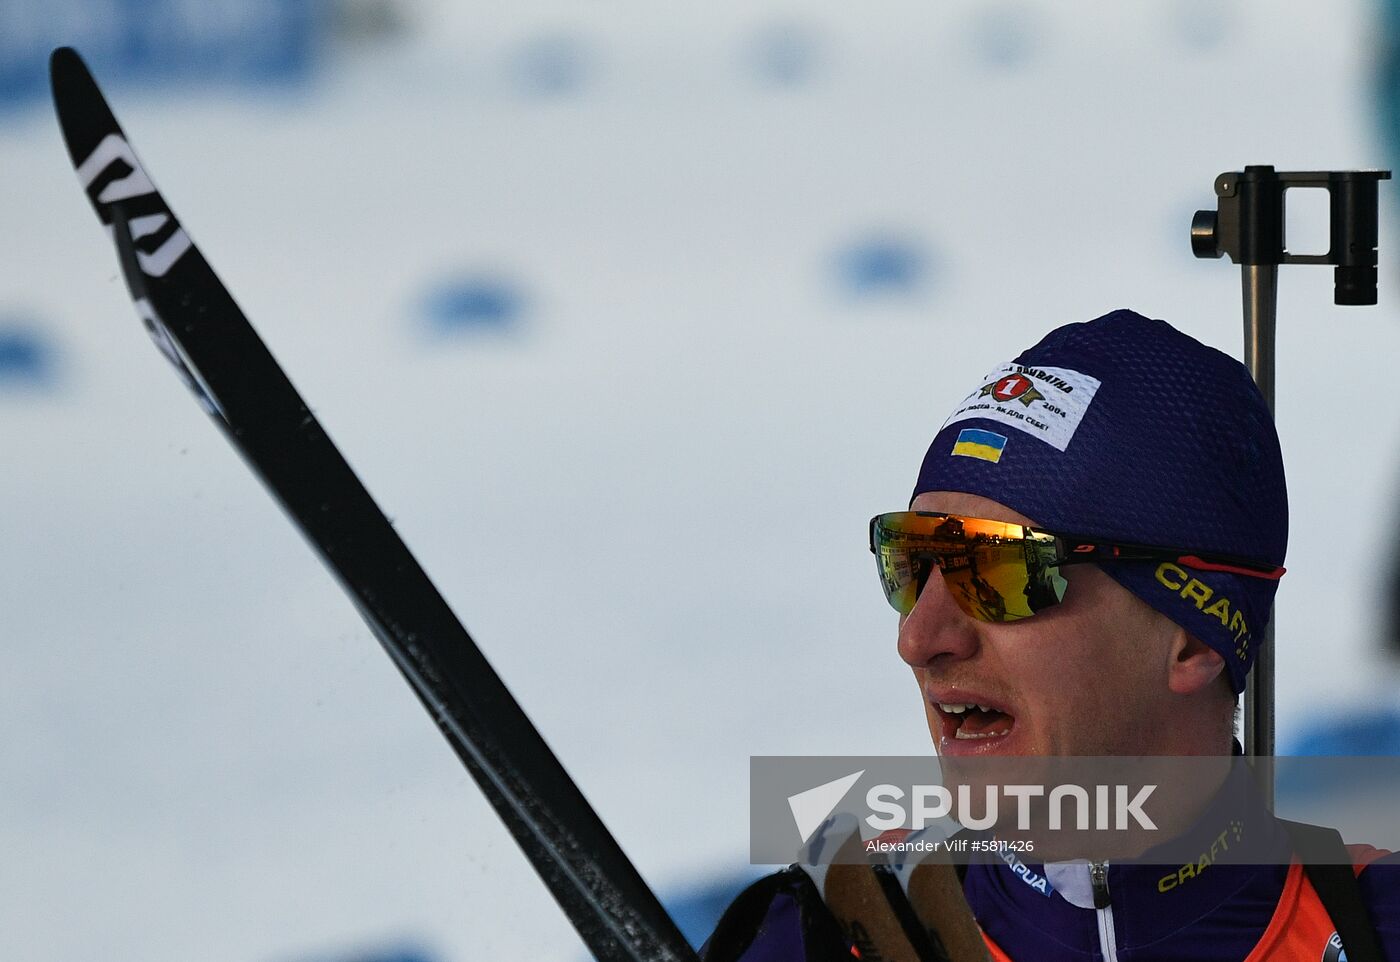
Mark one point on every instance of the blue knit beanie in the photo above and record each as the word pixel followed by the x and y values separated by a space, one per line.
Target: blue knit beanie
pixel 1127 429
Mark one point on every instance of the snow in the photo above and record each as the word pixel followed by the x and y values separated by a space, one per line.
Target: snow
pixel 648 501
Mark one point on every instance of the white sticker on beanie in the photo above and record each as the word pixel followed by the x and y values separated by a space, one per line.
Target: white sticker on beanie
pixel 1046 402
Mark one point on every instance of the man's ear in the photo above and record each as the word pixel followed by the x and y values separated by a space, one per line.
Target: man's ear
pixel 1193 665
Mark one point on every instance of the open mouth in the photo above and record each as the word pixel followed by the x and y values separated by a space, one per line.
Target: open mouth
pixel 973 722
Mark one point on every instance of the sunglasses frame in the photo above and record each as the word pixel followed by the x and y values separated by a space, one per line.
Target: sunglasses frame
pixel 1072 549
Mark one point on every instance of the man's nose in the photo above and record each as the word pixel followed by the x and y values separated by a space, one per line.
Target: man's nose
pixel 937 627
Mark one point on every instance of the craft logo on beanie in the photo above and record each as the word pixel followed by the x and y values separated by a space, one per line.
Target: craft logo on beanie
pixel 1126 429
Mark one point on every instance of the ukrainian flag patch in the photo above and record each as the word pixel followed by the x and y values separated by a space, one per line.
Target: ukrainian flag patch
pixel 983 445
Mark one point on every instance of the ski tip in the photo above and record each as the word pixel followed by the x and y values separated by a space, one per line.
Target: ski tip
pixel 65 62
pixel 83 114
pixel 67 72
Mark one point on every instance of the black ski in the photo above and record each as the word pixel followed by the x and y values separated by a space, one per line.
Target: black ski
pixel 200 329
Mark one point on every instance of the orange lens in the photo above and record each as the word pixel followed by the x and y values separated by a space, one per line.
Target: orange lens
pixel 996 571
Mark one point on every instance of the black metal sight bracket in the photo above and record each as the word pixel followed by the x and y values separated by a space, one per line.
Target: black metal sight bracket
pixel 1249 224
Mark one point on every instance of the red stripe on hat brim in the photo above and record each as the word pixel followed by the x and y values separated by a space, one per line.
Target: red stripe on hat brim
pixel 1200 564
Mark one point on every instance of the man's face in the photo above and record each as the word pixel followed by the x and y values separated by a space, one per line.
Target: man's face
pixel 1085 677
